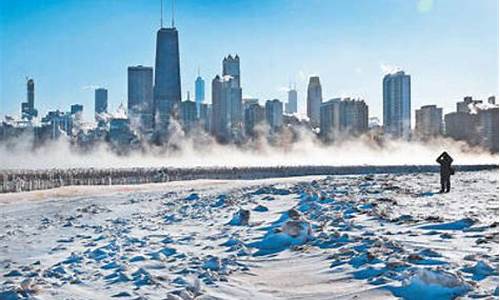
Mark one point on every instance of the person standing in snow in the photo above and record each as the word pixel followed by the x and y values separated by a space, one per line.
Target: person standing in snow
pixel 446 171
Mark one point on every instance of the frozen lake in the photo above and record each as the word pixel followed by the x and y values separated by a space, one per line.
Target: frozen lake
pixel 365 236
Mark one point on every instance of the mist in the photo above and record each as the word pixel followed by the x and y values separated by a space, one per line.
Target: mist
pixel 201 150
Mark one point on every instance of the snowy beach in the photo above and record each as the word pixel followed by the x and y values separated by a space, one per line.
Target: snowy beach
pixel 377 236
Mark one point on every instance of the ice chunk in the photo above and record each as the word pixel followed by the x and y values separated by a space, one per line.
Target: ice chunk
pixel 240 218
pixel 192 197
pixel 430 284
pixel 456 225
pixel 480 271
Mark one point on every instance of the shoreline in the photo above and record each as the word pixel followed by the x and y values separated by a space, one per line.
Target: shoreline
pixel 14 181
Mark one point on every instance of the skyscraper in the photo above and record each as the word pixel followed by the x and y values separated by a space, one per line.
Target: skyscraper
pixel 226 108
pixel 397 105
pixel 487 121
pixel 341 118
pixel 428 121
pixel 254 115
pixel 188 114
pixel 28 110
pixel 140 97
pixel 231 67
pixel 314 99
pixel 76 108
pixel 291 106
pixel 199 92
pixel 167 81
pixel 274 113
pixel 100 101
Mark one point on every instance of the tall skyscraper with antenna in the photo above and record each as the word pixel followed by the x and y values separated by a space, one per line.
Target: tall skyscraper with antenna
pixel 167 81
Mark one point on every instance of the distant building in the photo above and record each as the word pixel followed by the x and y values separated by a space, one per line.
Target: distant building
pixel 291 106
pixel 397 105
pixel 100 101
pixel 188 114
pixel 461 126
pixel 231 67
pixel 167 79
pixel 464 106
pixel 314 99
pixel 76 108
pixel 205 116
pixel 28 110
pixel 120 135
pixel 274 114
pixel 199 92
pixel 428 122
pixel 255 114
pixel 58 123
pixel 475 123
pixel 227 107
pixel 487 122
pixel 249 101
pixel 343 118
pixel 140 97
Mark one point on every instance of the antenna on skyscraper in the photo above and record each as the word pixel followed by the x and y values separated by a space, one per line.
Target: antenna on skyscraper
pixel 198 71
pixel 161 14
pixel 173 13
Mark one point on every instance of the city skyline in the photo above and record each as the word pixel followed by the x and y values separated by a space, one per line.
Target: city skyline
pixel 273 85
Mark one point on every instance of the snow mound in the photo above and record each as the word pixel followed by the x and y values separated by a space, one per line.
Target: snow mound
pixel 430 284
pixel 291 233
pixel 240 218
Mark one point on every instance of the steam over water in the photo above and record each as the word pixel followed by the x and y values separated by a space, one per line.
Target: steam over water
pixel 203 152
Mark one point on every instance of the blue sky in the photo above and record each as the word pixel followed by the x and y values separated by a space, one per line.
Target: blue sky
pixel 450 47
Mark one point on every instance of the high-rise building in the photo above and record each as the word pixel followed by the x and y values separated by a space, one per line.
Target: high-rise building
pixel 76 108
pixel 100 101
pixel 291 106
pixel 28 110
pixel 119 133
pixel 205 117
pixel 274 114
pixel 461 126
pixel 465 106
pixel 188 114
pixel 397 105
pixel 199 92
pixel 475 123
pixel 167 79
pixel 343 118
pixel 226 107
pixel 314 99
pixel 254 115
pixel 249 101
pixel 140 97
pixel 428 122
pixel 487 122
pixel 231 67
pixel 58 123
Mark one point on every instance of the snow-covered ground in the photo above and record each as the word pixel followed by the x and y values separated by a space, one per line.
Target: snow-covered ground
pixel 363 236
